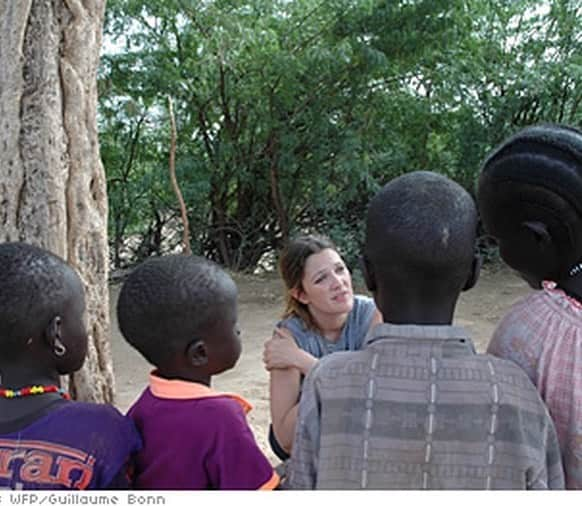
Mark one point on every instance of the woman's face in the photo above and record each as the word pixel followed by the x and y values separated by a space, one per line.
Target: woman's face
pixel 326 284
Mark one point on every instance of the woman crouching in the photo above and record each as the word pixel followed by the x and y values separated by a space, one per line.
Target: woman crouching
pixel 322 316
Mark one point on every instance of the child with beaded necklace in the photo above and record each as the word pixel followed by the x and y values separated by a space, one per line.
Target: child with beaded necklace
pixel 47 441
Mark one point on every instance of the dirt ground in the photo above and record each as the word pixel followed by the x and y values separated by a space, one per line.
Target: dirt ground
pixel 260 304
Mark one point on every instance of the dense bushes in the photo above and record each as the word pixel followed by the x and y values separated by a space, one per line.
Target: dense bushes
pixel 291 114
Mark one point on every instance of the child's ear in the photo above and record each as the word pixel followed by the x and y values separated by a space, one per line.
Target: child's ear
pixel 539 231
pixel 474 272
pixel 197 353
pixel 368 273
pixel 52 336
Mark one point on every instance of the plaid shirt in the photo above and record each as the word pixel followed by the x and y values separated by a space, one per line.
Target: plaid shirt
pixel 417 408
pixel 543 334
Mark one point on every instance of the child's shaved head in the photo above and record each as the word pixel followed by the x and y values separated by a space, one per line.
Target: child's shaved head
pixel 422 225
pixel 169 301
pixel 35 286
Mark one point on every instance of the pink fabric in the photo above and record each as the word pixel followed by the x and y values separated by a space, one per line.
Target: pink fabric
pixel 543 334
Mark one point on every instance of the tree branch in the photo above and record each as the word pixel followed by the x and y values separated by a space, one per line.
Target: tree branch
pixel 187 250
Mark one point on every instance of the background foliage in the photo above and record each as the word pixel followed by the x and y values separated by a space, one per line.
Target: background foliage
pixel 291 114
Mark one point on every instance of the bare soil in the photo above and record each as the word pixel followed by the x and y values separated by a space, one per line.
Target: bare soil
pixel 260 305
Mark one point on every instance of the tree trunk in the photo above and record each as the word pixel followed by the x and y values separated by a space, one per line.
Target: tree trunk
pixel 52 182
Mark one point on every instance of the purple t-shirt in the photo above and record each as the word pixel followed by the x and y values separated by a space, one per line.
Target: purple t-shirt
pixel 196 439
pixel 75 446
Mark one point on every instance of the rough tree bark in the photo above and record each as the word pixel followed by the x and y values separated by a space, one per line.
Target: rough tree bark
pixel 52 182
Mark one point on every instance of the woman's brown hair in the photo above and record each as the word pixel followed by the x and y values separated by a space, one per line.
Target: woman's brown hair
pixel 292 267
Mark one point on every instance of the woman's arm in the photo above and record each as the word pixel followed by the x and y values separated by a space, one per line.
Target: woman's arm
pixel 286 362
pixel 284 403
pixel 282 352
pixel 376 319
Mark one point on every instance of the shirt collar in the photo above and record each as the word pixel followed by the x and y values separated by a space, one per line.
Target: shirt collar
pixel 551 288
pixel 182 390
pixel 443 333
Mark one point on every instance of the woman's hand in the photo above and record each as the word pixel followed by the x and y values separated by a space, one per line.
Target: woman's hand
pixel 281 352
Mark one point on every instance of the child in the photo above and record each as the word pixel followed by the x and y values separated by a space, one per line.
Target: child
pixel 180 313
pixel 416 407
pixel 47 441
pixel 530 198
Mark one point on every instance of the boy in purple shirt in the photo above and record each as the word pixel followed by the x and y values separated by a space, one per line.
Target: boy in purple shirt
pixel 48 442
pixel 180 313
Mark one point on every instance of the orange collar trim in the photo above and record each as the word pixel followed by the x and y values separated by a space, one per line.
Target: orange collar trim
pixel 182 390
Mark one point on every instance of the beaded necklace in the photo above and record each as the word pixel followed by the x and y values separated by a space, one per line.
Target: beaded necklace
pixel 34 390
pixel 574 271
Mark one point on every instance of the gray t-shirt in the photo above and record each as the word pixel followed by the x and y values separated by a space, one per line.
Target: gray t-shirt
pixel 352 336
